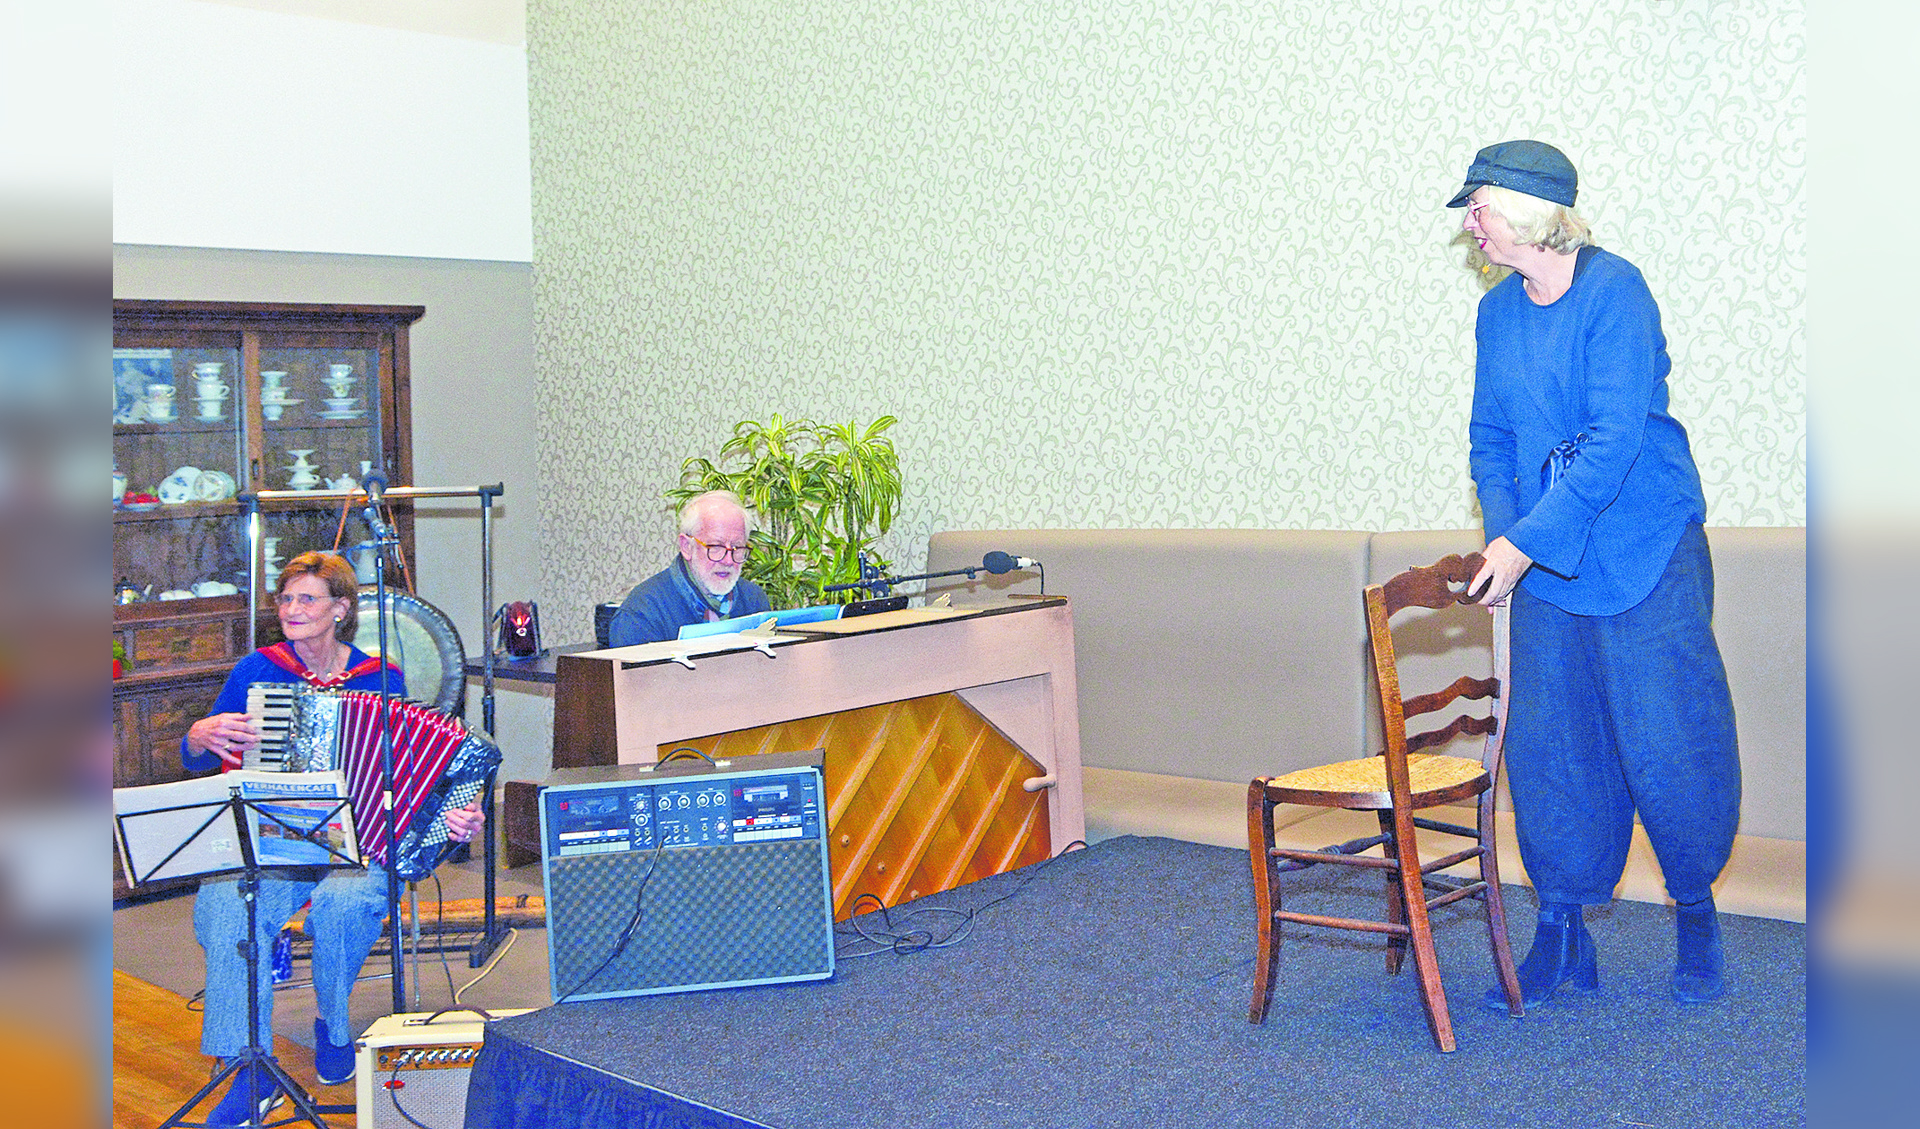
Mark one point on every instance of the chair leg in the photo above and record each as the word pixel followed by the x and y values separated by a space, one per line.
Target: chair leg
pixel 1426 963
pixel 1496 906
pixel 1396 900
pixel 1266 898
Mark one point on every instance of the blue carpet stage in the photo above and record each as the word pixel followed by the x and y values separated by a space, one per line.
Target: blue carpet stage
pixel 1110 988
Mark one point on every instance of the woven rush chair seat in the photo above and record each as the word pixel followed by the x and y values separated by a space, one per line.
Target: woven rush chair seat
pixel 1401 780
pixel 1362 784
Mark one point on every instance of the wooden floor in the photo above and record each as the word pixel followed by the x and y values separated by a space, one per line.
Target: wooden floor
pixel 157 1063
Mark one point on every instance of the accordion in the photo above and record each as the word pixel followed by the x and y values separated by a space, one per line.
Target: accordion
pixel 438 763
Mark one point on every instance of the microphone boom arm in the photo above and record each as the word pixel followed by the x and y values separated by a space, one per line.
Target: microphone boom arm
pixel 880 584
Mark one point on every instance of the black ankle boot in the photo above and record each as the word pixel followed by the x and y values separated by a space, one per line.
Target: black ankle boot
pixel 1700 963
pixel 1562 955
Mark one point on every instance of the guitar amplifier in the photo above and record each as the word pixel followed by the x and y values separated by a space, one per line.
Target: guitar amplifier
pixel 686 875
pixel 411 1066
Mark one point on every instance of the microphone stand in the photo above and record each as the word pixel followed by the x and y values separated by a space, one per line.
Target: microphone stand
pixel 493 932
pixel 383 537
pixel 880 584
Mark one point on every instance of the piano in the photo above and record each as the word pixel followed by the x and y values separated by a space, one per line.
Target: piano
pixel 952 736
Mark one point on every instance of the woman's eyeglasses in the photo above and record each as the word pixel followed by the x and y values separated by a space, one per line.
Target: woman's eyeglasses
pixel 301 600
pixel 722 552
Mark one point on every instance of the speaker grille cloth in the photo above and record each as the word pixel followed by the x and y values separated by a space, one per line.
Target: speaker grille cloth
pixel 720 914
pixel 436 1097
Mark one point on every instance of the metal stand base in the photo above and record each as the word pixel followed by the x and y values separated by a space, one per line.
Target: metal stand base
pixel 304 1107
pixel 253 1055
pixel 488 944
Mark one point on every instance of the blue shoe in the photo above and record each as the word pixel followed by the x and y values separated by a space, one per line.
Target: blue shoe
pixel 332 1062
pixel 1700 966
pixel 241 1107
pixel 1562 956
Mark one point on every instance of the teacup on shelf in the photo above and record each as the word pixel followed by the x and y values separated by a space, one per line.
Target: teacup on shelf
pixel 159 403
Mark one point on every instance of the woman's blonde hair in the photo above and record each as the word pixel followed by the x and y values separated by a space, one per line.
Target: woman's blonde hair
pixel 341 583
pixel 1537 222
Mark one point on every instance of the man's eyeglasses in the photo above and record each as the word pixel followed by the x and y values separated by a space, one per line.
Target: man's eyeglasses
pixel 301 600
pixel 722 552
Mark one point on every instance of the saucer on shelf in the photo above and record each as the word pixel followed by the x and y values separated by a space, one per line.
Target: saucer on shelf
pixel 344 415
pixel 178 486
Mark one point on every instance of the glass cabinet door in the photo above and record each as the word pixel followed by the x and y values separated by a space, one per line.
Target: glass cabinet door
pixel 320 429
pixel 179 451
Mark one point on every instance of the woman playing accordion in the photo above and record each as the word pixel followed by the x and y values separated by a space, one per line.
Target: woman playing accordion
pixel 317 598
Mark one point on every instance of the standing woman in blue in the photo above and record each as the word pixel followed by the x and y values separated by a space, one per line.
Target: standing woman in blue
pixel 1593 510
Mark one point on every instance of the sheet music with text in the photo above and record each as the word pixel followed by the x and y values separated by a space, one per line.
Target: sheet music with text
pixel 186 828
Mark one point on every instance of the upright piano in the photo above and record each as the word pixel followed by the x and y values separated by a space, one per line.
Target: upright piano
pixel 951 735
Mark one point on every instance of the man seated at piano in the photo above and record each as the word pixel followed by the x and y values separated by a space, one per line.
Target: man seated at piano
pixel 701 584
pixel 317 599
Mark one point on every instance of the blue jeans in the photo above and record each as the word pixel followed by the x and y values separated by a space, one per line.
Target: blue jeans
pixel 1616 713
pixel 349 910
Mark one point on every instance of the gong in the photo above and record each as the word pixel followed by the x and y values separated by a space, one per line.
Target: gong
pixel 424 645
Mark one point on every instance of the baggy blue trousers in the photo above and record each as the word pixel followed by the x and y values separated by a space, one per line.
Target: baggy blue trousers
pixel 1623 713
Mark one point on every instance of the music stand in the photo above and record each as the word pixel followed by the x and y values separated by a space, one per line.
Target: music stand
pixel 229 817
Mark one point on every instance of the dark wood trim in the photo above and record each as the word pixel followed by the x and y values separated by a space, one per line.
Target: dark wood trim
pixel 135 313
pixel 586 734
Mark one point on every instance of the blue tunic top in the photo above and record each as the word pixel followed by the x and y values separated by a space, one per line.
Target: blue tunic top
pixel 1594 362
pixel 659 606
pixel 257 667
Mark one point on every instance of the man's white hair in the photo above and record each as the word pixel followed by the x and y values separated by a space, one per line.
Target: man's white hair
pixel 695 511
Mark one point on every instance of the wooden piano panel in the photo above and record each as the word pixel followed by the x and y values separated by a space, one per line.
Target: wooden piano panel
pixel 923 795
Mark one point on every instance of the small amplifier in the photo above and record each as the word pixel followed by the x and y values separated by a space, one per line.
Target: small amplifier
pixel 413 1069
pixel 686 875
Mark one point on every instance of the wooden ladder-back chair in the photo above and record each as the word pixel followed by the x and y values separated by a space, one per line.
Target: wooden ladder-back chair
pixel 1394 785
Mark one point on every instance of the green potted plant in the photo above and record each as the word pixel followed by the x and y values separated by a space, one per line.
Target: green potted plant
pixel 823 493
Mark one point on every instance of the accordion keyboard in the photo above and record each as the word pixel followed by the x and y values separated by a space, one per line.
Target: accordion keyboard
pixel 270 706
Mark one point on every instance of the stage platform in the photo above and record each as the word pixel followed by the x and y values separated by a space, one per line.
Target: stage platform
pixel 1109 987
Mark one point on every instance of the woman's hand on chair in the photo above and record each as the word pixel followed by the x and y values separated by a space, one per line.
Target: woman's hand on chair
pixel 1504 566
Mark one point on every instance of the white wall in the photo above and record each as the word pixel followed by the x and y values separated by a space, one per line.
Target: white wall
pixel 241 128
pixel 1131 263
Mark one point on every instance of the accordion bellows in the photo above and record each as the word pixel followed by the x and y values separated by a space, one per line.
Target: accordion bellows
pixel 438 763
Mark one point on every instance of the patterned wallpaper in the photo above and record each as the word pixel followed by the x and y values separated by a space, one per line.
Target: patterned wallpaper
pixel 1128 263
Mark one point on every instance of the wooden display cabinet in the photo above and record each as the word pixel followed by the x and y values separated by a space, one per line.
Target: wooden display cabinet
pixel 343 399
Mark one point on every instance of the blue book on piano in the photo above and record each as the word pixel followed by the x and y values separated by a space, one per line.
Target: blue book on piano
pixel 749 622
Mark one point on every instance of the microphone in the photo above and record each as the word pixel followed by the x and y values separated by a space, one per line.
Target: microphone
pixel 376 488
pixel 998 562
